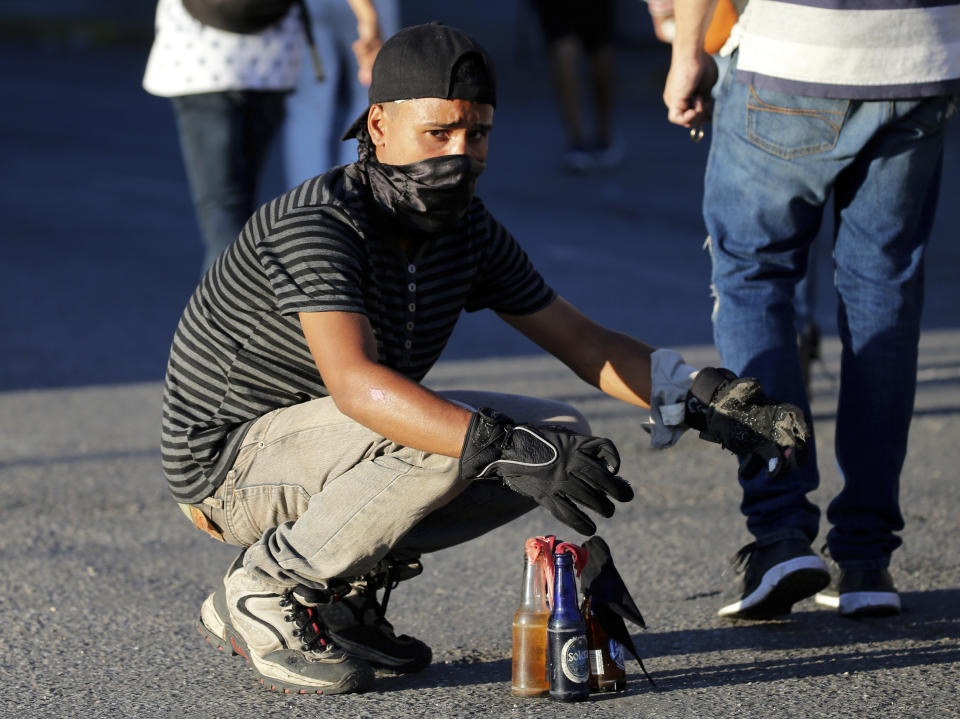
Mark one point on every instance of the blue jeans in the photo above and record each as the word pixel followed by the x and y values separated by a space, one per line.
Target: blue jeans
pixel 773 162
pixel 225 138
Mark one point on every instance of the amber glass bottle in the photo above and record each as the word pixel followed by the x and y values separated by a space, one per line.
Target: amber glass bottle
pixel 607 670
pixel 530 635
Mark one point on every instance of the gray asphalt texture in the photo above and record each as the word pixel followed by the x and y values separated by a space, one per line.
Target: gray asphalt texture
pixel 102 577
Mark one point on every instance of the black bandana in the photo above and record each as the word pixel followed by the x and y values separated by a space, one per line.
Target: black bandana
pixel 429 196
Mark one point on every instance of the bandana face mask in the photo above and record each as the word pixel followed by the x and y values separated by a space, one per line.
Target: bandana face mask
pixel 429 196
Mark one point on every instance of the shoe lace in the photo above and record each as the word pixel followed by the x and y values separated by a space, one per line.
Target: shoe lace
pixel 741 559
pixel 310 630
pixel 387 580
pixel 379 606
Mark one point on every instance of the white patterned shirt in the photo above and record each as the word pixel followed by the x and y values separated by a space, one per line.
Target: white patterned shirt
pixel 189 57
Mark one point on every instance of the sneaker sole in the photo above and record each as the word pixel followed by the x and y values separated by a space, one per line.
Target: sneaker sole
pixel 781 587
pixel 221 635
pixel 862 604
pixel 380 660
pixel 211 627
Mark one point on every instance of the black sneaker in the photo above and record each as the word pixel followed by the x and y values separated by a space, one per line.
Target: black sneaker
pixel 357 623
pixel 861 593
pixel 285 642
pixel 775 577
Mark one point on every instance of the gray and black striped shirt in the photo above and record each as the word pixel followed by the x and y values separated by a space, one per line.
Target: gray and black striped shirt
pixel 239 351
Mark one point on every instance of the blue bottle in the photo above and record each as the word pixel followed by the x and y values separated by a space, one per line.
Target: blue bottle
pixel 568 658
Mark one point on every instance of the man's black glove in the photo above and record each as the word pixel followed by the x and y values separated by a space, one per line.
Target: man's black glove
pixel 735 413
pixel 557 468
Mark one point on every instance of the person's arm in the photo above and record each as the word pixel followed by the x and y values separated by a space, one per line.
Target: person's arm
pixel 369 39
pixel 661 14
pixel 560 470
pixel 344 349
pixel 692 71
pixel 615 363
pixel 726 409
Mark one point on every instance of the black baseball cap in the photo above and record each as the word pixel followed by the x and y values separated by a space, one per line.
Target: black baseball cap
pixel 426 61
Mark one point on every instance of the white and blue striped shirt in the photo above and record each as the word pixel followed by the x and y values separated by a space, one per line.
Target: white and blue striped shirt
pixel 853 49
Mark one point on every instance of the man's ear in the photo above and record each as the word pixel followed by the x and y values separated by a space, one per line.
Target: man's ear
pixel 377 122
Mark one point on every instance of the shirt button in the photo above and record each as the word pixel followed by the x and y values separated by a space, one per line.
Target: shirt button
pixel 411 307
pixel 408 344
pixel 412 287
pixel 411 269
pixel 409 325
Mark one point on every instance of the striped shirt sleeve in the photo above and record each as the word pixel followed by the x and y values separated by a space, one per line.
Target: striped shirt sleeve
pixel 507 281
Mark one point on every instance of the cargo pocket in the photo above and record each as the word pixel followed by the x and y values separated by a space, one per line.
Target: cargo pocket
pixel 253 510
pixel 791 126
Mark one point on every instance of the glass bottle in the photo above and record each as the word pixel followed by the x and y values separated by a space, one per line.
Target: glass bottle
pixel 607 670
pixel 529 676
pixel 568 667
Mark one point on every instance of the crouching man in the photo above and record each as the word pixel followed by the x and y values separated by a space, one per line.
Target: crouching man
pixel 295 425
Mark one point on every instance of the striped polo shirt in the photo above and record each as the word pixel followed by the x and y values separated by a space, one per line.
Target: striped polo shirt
pixel 851 49
pixel 239 350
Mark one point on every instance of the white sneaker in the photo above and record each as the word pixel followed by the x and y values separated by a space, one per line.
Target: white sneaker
pixel 861 593
pixel 285 642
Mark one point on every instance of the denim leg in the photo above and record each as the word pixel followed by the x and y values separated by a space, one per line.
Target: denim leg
pixel 225 138
pixel 318 113
pixel 805 295
pixel 886 203
pixel 774 160
pixel 313 112
pixel 768 177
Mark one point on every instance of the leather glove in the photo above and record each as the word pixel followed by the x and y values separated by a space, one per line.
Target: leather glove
pixel 734 412
pixel 557 468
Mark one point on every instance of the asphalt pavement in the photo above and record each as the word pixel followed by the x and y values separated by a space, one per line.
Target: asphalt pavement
pixel 103 577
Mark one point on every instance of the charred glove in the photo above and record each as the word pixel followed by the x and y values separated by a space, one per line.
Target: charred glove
pixel 557 468
pixel 734 412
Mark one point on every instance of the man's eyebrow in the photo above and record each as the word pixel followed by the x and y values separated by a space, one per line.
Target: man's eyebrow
pixel 459 123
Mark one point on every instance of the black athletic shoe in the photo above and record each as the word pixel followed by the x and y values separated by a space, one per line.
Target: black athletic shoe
pixel 357 623
pixel 861 593
pixel 775 577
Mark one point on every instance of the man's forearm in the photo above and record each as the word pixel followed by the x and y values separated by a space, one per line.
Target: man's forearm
pixel 403 411
pixel 692 18
pixel 692 71
pixel 626 373
pixel 368 26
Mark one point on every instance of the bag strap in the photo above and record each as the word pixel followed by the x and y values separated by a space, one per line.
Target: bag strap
pixel 311 43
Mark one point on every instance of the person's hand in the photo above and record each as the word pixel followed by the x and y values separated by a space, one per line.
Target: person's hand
pixel 664 27
pixel 557 468
pixel 734 412
pixel 664 24
pixel 687 90
pixel 365 49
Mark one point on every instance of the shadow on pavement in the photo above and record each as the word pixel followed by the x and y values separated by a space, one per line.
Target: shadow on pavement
pixel 819 643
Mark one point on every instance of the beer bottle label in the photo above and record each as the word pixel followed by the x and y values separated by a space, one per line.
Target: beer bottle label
pixel 596 662
pixel 574 659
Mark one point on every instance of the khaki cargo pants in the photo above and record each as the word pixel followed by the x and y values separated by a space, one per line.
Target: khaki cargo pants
pixel 317 496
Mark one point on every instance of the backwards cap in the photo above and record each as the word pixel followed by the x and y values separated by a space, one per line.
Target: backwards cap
pixel 427 61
